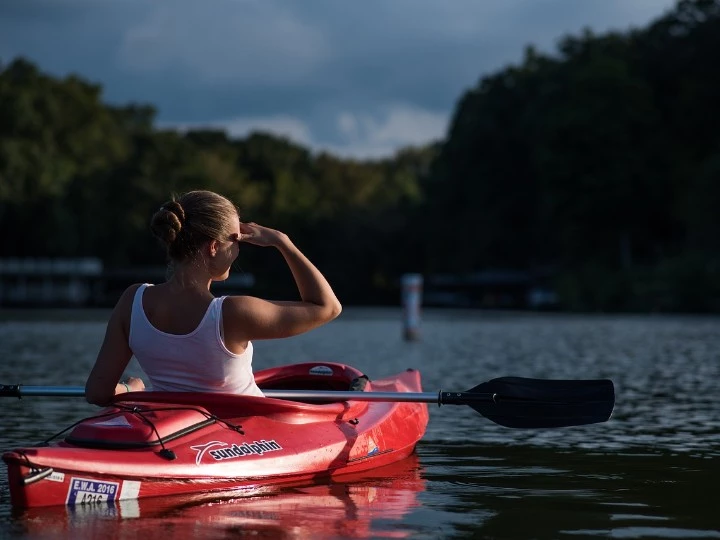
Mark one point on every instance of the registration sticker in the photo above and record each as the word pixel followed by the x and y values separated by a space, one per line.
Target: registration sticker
pixel 84 491
pixel 57 476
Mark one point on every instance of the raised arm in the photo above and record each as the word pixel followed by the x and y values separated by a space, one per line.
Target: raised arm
pixel 255 318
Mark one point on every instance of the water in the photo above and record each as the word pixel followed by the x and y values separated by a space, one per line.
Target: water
pixel 650 472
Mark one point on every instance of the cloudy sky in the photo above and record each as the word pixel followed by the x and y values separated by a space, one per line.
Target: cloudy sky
pixel 358 78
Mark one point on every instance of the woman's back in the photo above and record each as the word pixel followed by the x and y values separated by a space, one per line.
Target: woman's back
pixel 180 347
pixel 175 311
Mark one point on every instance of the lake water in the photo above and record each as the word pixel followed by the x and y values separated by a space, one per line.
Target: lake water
pixel 652 471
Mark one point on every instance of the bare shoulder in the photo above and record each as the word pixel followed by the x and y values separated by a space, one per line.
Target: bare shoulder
pixel 128 295
pixel 238 319
pixel 238 306
pixel 248 311
pixel 123 307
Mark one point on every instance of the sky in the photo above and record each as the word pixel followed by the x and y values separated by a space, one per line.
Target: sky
pixel 360 79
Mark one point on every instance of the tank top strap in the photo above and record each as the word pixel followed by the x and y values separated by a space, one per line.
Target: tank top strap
pixel 136 312
pixel 216 316
pixel 216 307
pixel 137 300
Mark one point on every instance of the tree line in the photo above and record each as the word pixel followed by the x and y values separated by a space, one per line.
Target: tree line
pixel 600 163
pixel 596 166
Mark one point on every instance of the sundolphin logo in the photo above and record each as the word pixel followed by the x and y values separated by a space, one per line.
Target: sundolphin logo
pixel 203 448
pixel 257 448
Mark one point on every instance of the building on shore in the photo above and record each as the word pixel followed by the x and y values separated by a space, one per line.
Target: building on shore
pixel 83 282
pixel 491 289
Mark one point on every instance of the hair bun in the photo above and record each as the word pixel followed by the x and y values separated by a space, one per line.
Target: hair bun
pixel 168 221
pixel 175 208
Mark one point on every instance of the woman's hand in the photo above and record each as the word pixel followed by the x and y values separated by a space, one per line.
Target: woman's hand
pixel 255 234
pixel 135 384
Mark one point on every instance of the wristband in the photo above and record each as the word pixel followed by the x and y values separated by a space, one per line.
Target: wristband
pixel 127 388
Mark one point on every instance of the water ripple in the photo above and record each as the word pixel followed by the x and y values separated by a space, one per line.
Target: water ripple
pixel 642 474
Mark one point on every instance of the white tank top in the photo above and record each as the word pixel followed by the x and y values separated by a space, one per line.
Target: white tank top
pixel 194 362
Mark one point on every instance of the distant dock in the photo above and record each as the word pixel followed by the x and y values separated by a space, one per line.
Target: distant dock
pixel 83 282
pixel 491 289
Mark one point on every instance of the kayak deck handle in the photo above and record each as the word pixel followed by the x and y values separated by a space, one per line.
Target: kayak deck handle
pixel 36 475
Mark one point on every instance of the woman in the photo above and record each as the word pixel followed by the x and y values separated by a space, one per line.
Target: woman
pixel 183 337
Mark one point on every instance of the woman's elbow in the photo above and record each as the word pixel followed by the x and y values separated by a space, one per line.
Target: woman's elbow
pixel 326 312
pixel 335 310
pixel 97 396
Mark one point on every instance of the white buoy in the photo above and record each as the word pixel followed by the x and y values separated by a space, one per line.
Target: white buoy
pixel 412 285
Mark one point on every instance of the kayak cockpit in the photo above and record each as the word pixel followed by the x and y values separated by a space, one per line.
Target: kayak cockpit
pixel 312 376
pixel 140 419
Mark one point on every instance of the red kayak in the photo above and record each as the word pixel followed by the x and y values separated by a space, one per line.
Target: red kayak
pixel 151 444
pixel 371 504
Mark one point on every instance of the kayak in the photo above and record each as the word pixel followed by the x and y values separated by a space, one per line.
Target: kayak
pixel 315 421
pixel 157 444
pixel 370 504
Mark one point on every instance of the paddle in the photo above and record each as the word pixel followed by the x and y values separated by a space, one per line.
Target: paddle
pixel 515 402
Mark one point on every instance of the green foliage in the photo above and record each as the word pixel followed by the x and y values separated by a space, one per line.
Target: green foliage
pixel 596 161
pixel 78 177
pixel 600 162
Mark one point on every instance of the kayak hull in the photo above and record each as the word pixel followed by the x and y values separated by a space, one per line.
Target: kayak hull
pixel 154 444
pixel 369 505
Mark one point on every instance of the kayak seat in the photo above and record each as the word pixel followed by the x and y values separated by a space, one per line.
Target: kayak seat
pixel 327 376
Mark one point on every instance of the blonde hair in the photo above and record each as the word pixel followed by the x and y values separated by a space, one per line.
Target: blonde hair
pixel 183 224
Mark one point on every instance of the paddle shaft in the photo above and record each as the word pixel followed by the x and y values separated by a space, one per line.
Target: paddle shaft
pixel 515 402
pixel 440 398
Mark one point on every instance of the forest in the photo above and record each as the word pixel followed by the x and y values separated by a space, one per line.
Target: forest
pixel 595 167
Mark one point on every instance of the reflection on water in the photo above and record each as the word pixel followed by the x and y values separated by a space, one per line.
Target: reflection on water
pixel 373 505
pixel 545 493
pixel 648 473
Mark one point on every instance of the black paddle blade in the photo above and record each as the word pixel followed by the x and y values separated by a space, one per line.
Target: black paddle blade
pixel 518 402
